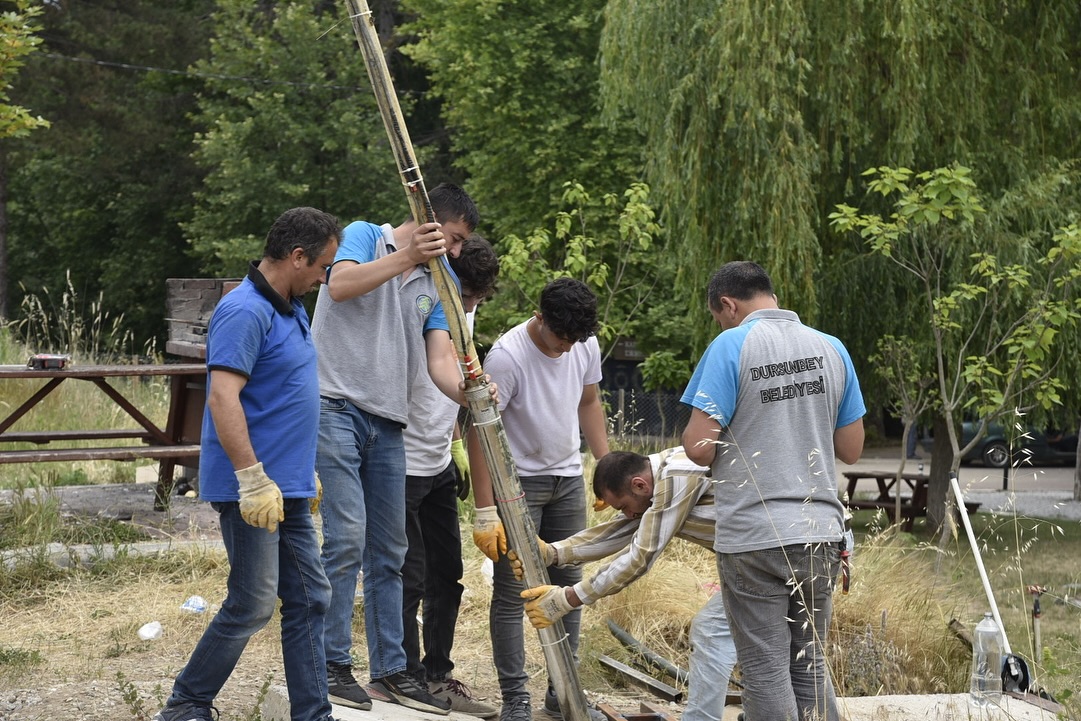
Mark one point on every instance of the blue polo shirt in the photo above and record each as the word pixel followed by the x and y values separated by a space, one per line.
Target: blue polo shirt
pixel 258 334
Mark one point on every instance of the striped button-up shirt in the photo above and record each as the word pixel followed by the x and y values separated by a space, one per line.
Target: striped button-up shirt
pixel 682 507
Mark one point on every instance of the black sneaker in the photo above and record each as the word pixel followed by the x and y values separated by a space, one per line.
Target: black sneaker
pixel 516 709
pixel 403 689
pixel 344 690
pixel 186 712
pixel 551 707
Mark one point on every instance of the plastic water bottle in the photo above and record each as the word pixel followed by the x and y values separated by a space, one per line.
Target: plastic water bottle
pixel 986 688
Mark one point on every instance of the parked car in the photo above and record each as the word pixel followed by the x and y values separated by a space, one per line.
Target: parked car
pixel 1035 446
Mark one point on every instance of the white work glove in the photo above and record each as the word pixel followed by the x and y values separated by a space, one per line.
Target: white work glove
pixel 488 533
pixel 313 503
pixel 260 498
pixel 546 604
pixel 549 554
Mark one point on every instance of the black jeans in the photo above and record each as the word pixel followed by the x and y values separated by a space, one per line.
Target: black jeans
pixel 432 572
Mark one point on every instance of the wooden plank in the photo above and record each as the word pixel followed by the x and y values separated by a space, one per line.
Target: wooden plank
pixel 125 453
pixel 104 371
pixel 658 688
pixel 50 436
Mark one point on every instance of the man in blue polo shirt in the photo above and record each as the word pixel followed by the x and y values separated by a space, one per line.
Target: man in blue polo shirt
pixel 257 469
pixel 773 403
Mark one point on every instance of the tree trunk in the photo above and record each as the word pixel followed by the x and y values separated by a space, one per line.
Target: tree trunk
pixel 1077 470
pixel 938 485
pixel 3 234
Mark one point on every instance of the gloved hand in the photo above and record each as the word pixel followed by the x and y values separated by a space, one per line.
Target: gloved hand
pixel 260 498
pixel 599 505
pixel 488 533
pixel 313 503
pixel 545 605
pixel 461 461
pixel 548 554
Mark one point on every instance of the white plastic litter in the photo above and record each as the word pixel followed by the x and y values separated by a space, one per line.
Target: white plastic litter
pixel 150 631
pixel 194 604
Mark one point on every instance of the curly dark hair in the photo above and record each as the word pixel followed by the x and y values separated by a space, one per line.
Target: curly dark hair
pixel 615 471
pixel 477 266
pixel 569 309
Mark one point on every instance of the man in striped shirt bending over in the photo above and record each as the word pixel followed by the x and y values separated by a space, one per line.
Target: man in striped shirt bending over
pixel 661 497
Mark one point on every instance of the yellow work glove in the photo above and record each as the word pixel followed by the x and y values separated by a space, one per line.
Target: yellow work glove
pixel 549 554
pixel 545 605
pixel 313 503
pixel 260 498
pixel 488 533
pixel 599 505
pixel 460 456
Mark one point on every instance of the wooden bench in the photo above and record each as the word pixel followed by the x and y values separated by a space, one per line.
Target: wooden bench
pixel 913 505
pixel 175 443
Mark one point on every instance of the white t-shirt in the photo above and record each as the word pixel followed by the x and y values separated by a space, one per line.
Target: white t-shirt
pixel 539 398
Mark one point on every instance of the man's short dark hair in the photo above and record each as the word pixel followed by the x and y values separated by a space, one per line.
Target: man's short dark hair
pixel 450 203
pixel 569 309
pixel 614 472
pixel 477 266
pixel 306 228
pixel 739 279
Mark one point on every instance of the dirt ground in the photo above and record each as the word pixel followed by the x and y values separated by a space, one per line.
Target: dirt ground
pixel 95 666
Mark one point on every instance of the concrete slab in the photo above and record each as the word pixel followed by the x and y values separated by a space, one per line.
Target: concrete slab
pixel 276 708
pixel 940 707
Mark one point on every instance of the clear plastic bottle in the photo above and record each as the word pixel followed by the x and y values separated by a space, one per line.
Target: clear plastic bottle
pixel 986 688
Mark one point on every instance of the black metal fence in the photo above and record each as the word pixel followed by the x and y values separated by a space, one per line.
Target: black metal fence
pixel 644 421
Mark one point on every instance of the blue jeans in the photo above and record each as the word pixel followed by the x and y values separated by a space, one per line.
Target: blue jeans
pixel 432 572
pixel 779 602
pixel 264 567
pixel 557 505
pixel 361 461
pixel 713 655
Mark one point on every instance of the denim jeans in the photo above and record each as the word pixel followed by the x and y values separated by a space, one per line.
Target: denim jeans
pixel 779 602
pixel 432 572
pixel 264 567
pixel 361 461
pixel 713 655
pixel 557 505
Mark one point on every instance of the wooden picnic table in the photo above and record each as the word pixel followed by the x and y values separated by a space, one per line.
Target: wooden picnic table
pixel 177 441
pixel 913 494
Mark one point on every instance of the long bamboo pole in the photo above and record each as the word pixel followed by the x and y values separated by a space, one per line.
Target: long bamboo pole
pixel 513 511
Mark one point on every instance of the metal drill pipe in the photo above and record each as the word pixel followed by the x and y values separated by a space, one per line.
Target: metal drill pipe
pixel 521 534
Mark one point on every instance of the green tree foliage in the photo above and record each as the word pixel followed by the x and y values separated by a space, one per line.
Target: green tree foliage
pixel 101 193
pixel 994 301
pixel 758 118
pixel 288 119
pixel 519 87
pixel 609 244
pixel 18 38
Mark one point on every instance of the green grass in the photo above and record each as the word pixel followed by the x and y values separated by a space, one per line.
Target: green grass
pixel 1017 552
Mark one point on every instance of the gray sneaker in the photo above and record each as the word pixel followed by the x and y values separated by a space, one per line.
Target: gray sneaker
pixel 186 712
pixel 516 709
pixel 459 697
pixel 403 689
pixel 551 707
